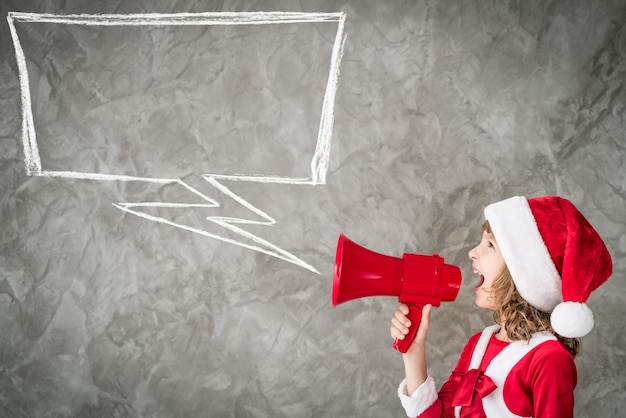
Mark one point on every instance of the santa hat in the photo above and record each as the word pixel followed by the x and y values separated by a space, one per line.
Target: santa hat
pixel 554 255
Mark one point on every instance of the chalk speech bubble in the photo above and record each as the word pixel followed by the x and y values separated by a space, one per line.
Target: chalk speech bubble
pixel 317 160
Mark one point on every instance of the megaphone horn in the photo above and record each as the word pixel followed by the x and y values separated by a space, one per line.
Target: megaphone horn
pixel 416 279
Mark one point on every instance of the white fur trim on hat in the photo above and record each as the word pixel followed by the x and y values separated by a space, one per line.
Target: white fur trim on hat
pixel 525 253
pixel 572 319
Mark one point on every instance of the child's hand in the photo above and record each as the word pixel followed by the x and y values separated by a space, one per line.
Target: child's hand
pixel 400 324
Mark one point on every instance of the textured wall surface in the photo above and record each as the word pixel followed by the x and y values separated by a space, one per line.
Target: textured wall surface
pixel 441 108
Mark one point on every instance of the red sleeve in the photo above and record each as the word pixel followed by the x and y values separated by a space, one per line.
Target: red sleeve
pixel 434 411
pixel 542 383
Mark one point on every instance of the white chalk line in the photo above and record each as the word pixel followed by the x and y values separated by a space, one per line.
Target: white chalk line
pixel 277 252
pixel 29 141
pixel 319 161
pixel 179 19
pixel 308 181
pixel 321 157
pixel 226 222
pixel 262 246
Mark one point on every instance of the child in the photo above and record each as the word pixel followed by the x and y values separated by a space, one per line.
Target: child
pixel 538 261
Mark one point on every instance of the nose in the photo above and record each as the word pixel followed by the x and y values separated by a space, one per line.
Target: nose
pixel 472 254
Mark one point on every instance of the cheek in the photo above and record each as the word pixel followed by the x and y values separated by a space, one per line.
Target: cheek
pixel 500 262
pixel 496 266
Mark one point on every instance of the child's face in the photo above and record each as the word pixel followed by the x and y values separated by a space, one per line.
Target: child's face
pixel 488 263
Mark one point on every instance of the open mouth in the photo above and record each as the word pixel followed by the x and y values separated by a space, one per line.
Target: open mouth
pixel 480 282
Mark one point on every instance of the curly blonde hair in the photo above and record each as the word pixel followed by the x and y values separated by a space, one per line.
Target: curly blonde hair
pixel 522 320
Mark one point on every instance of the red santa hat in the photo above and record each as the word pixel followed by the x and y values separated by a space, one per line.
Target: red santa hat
pixel 554 255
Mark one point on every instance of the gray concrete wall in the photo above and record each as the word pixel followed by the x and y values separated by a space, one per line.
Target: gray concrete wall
pixel 441 107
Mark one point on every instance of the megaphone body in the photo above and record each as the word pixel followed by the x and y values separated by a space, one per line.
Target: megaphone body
pixel 416 279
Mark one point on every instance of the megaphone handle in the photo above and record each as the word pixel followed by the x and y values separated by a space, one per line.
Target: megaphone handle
pixel 415 316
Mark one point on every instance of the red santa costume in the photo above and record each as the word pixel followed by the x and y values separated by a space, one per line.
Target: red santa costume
pixel 556 259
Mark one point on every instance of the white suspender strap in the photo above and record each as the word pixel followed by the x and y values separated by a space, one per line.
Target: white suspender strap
pixel 501 366
pixel 477 355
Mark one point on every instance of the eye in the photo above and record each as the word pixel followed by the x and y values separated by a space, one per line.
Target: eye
pixel 490 244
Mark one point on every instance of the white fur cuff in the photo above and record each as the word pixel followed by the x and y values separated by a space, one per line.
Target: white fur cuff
pixel 420 400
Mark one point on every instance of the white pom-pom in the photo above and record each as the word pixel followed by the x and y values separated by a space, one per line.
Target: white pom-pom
pixel 572 319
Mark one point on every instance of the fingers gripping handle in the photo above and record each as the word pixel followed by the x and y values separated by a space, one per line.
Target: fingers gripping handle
pixel 415 316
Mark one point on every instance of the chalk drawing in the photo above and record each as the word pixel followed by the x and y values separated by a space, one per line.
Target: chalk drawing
pixel 319 160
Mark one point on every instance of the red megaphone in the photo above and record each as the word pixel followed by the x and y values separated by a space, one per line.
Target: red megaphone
pixel 417 280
